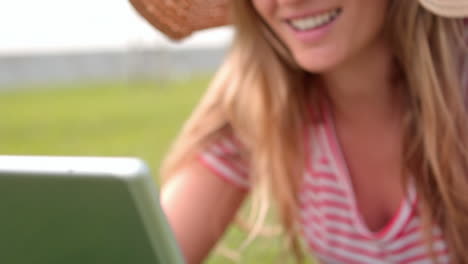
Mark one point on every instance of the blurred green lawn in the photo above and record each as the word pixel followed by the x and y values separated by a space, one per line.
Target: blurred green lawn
pixel 111 119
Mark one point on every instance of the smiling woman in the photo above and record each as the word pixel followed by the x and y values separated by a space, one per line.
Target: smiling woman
pixel 347 116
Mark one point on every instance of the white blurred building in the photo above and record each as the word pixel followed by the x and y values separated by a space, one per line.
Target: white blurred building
pixel 56 40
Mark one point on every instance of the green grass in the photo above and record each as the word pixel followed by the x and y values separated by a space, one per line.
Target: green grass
pixel 110 119
pixel 114 119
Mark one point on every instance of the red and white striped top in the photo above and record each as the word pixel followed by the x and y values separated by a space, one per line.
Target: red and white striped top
pixel 333 226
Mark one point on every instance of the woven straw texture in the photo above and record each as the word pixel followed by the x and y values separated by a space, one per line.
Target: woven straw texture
pixel 179 18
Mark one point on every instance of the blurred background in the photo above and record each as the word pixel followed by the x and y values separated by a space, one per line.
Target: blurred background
pixel 53 40
pixel 93 78
pixel 77 73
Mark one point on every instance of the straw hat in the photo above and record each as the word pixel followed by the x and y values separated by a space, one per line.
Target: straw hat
pixel 447 8
pixel 179 18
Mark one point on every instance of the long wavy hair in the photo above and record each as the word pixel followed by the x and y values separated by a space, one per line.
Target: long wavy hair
pixel 262 97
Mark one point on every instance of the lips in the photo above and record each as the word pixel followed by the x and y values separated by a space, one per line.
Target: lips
pixel 311 22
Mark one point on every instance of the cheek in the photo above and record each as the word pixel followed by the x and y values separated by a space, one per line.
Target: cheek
pixel 368 22
pixel 367 27
pixel 264 8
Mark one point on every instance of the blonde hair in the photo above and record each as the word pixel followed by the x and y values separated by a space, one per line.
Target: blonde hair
pixel 260 95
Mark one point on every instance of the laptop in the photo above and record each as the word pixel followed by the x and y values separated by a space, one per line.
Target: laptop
pixel 77 210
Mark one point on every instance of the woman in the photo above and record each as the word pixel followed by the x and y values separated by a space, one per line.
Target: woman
pixel 349 114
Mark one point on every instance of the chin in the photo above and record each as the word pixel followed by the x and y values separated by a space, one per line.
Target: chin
pixel 317 63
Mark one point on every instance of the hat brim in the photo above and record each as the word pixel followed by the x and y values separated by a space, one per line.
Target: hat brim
pixel 178 19
pixel 447 8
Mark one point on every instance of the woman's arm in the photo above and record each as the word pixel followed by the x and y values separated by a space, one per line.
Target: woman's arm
pixel 199 206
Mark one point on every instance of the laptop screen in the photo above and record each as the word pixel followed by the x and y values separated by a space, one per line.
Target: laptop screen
pixel 76 214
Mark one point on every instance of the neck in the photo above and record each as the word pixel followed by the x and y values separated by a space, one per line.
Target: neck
pixel 362 88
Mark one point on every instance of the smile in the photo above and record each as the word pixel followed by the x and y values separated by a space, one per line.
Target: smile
pixel 315 21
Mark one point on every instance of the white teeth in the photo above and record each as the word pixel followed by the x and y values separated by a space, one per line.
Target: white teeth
pixel 312 22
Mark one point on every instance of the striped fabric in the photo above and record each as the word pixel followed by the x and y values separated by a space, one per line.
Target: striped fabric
pixel 332 225
pixel 224 160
